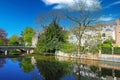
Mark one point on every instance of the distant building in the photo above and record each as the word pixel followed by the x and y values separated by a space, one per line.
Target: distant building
pixel 117 32
pixel 34 40
pixel 88 37
pixel 110 30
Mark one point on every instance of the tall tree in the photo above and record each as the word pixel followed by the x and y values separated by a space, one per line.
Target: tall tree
pixel 27 35
pixel 51 38
pixel 44 19
pixel 83 17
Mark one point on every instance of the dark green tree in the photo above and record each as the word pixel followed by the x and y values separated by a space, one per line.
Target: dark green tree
pixel 51 38
pixel 27 35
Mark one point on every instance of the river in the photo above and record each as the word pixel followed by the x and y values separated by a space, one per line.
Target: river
pixel 57 68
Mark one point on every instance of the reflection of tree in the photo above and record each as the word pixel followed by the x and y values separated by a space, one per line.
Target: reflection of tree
pixel 2 62
pixel 26 65
pixel 85 72
pixel 52 70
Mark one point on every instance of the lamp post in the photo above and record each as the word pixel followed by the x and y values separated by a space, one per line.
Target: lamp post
pixel 112 48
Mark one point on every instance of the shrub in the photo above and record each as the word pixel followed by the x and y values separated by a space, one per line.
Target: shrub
pixel 117 50
pixel 106 50
pixel 68 48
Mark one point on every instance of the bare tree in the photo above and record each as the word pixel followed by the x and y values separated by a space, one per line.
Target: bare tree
pixel 93 40
pixel 43 19
pixel 84 16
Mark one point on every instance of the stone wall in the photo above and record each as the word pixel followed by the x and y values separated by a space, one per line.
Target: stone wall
pixel 105 57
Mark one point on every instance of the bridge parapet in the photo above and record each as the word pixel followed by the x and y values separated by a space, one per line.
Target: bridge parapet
pixel 27 49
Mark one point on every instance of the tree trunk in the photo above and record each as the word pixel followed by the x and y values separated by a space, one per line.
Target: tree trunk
pixel 79 46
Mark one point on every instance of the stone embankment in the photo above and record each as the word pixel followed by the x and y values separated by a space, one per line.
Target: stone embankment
pixel 105 57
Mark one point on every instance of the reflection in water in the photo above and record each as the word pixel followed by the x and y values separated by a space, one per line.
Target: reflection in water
pixel 26 65
pixel 94 70
pixel 46 68
pixel 18 69
pixel 2 62
pixel 33 61
pixel 52 69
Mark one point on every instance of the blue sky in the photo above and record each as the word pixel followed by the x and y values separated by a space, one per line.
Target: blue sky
pixel 15 15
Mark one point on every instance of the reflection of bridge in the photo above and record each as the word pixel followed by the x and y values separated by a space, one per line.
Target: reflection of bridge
pixel 27 49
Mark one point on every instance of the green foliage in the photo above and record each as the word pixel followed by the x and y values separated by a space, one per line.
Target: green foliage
pixel 106 45
pixel 117 50
pixel 51 38
pixel 106 50
pixel 14 52
pixel 21 41
pixel 14 40
pixel 1 41
pixel 27 35
pixel 68 48
pixel 109 41
pixel 94 50
pixel 26 65
pixel 103 35
pixel 52 69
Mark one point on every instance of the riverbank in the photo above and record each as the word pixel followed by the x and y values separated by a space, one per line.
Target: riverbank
pixel 105 57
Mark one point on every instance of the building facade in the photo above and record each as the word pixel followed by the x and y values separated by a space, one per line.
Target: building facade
pixel 110 30
pixel 117 32
pixel 34 40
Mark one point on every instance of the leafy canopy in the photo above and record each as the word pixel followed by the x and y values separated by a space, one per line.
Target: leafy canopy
pixel 51 38
pixel 14 40
pixel 27 35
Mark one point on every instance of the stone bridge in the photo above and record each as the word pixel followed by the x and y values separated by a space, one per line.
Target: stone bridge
pixel 27 49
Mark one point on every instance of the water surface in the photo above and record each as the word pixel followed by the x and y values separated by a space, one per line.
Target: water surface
pixel 52 68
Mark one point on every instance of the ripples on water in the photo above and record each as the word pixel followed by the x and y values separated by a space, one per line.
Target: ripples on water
pixel 57 69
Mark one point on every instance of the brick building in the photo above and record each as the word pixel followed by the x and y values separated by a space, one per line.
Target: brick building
pixel 117 32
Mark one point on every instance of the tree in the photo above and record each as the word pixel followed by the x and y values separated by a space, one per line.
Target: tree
pixel 14 40
pixel 44 19
pixel 21 41
pixel 51 38
pixel 92 34
pixel 83 17
pixel 3 35
pixel 27 35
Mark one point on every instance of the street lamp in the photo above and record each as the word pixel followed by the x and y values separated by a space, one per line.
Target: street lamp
pixel 112 48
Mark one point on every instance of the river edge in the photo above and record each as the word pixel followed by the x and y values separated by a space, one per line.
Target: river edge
pixel 103 57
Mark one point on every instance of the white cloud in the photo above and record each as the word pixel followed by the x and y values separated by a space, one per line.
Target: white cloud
pixel 63 4
pixel 114 3
pixel 105 18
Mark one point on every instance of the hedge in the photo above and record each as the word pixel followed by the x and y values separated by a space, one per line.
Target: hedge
pixel 108 50
pixel 117 50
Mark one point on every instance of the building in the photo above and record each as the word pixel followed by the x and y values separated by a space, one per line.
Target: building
pixel 109 30
pixel 117 32
pixel 34 40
